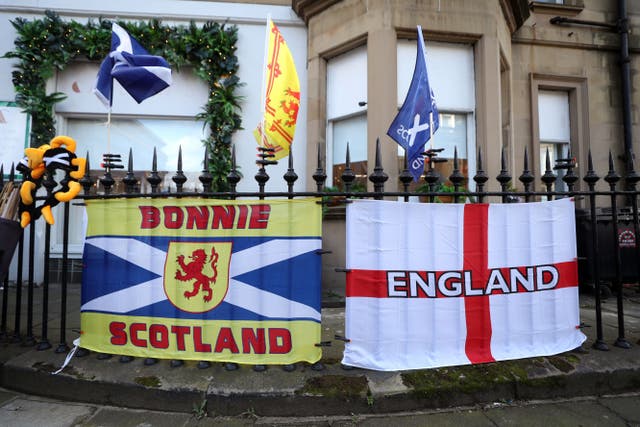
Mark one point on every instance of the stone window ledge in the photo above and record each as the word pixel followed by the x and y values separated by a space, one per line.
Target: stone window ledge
pixel 569 8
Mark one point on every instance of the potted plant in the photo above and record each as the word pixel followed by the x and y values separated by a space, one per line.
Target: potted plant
pixel 445 193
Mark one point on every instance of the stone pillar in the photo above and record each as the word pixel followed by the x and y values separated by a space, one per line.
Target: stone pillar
pixel 316 113
pixel 382 100
pixel 489 113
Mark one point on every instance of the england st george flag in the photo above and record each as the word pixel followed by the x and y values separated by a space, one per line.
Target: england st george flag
pixel 432 285
pixel 203 279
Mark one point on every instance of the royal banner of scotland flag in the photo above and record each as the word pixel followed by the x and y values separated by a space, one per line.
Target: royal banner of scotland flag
pixel 434 284
pixel 418 119
pixel 203 279
pixel 281 97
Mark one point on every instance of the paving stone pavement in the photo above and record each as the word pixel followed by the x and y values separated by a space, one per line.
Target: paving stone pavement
pixel 20 410
pixel 583 387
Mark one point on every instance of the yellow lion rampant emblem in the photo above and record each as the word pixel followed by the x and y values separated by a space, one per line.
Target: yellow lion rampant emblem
pixel 196 274
pixel 194 271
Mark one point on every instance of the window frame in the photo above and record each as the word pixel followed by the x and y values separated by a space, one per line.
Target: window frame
pixel 346 105
pixel 576 87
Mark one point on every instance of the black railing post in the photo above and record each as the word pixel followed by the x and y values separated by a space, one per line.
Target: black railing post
pixel 378 177
pixel 205 177
pixel 549 178
pixel 612 179
pixel 44 343
pixel 86 181
pixel 62 346
pixel 570 177
pixel 16 338
pixel 480 178
pixel 265 155
pixel 5 289
pixel 568 164
pixel 49 184
pixel 526 178
pixel 591 178
pixel 405 177
pixel 348 176
pixel 5 308
pixel 290 176
pixel 130 179
pixel 431 177
pixel 504 177
pixel 109 161
pixel 29 340
pixel 233 178
pixel 154 178
pixel 456 176
pixel 179 178
pixel 320 175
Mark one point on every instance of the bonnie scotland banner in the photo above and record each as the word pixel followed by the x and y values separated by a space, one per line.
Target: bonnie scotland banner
pixel 203 279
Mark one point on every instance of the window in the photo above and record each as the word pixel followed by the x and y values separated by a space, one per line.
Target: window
pixel 554 130
pixel 142 135
pixel 451 76
pixel 346 114
pixel 452 134
pixel 560 120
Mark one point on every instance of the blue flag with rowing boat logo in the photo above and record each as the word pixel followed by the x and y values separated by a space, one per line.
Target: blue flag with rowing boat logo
pixel 142 75
pixel 418 119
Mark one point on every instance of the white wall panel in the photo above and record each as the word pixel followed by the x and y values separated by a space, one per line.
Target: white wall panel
pixel 185 97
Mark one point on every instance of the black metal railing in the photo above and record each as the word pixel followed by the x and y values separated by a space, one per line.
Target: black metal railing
pixel 599 235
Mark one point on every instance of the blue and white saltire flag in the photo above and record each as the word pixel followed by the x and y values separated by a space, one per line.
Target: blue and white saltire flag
pixel 142 75
pixel 417 120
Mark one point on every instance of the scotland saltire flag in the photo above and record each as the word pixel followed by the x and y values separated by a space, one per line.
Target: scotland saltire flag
pixel 195 279
pixel 418 119
pixel 140 74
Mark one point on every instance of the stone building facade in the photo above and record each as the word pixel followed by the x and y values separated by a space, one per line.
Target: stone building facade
pixel 544 74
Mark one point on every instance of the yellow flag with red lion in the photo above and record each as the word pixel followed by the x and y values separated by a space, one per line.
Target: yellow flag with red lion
pixel 281 96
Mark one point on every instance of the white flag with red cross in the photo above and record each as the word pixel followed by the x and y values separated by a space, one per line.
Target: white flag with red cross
pixel 432 285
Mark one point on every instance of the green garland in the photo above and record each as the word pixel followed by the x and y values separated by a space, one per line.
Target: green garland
pixel 49 44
